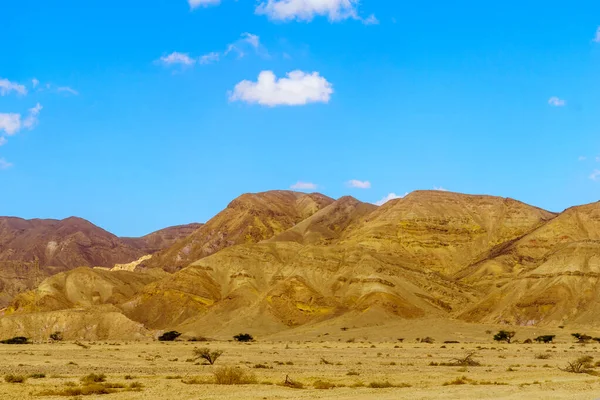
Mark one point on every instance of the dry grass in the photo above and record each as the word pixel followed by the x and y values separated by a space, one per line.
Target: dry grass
pixel 233 376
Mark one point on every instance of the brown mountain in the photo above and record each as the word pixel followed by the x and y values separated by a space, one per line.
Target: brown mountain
pixel 162 239
pixel 248 219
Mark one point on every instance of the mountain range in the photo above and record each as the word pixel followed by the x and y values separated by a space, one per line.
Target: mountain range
pixel 280 260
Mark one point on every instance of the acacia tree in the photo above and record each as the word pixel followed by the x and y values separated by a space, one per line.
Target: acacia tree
pixel 504 336
pixel 206 354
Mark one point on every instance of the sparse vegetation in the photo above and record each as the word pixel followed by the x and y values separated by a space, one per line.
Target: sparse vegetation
pixel 206 354
pixel 16 340
pixel 289 382
pixel 15 378
pixel 56 336
pixel 243 337
pixel 169 336
pixel 545 339
pixel 582 365
pixel 581 337
pixel 94 378
pixel 233 376
pixel 504 336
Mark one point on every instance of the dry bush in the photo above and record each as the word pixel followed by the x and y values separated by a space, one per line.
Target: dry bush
pixel 37 376
pixel 15 378
pixel 323 385
pixel 583 365
pixel 543 356
pixel 352 373
pixel 262 366
pixel 198 380
pixel 466 361
pixel 93 378
pixel 462 380
pixel 88 389
pixel 387 384
pixel 208 355
pixel 289 382
pixel 233 376
pixel 85 346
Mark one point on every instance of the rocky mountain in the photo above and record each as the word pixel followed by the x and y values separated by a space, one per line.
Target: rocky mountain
pixel 280 260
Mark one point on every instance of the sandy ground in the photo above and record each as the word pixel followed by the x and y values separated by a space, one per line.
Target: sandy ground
pixel 507 371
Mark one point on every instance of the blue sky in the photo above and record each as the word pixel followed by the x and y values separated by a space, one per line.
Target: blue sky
pixel 152 113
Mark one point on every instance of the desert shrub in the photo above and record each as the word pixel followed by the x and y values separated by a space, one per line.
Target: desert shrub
pixel 581 337
pixel 352 373
pixel 262 366
pixel 528 341
pixel 15 340
pixel 93 378
pixel 467 361
pixel 451 342
pixel 233 376
pixel 15 378
pixel 380 385
pixel 243 337
pixel 289 382
pixel 428 340
pixel 582 365
pixel 545 339
pixel 37 376
pixel 324 385
pixel 326 362
pixel 198 339
pixel 542 356
pixel 463 380
pixel 56 336
pixel 504 336
pixel 196 381
pixel 169 336
pixel 85 346
pixel 208 355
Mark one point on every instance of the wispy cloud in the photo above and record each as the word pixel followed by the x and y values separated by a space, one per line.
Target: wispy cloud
pixel 389 197
pixel 209 58
pixel 66 89
pixel 597 37
pixel 298 88
pixel 4 164
pixel 7 86
pixel 307 10
pixel 556 102
pixel 177 58
pixel 304 186
pixel 35 83
pixel 10 123
pixel 3 141
pixel 595 176
pixel 439 188
pixel 355 183
pixel 202 3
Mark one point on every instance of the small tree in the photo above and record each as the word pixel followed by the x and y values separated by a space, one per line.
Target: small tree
pixel 244 337
pixel 581 338
pixel 206 354
pixel 545 339
pixel 504 336
pixel 169 336
pixel 56 336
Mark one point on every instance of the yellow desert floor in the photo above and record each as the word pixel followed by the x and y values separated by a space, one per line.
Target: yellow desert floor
pixel 161 370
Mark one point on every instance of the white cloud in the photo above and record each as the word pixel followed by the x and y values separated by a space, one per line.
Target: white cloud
pixel 556 102
pixel 10 123
pixel 7 86
pixel 298 88
pixel 254 40
pixel 439 188
pixel 389 197
pixel 354 183
pixel 177 58
pixel 306 10
pixel 67 89
pixel 209 58
pixel 4 164
pixel 35 82
pixel 202 3
pixel 597 37
pixel 32 119
pixel 595 176
pixel 304 186
pixel 3 140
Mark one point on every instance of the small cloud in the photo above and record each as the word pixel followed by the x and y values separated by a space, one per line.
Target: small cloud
pixel 389 197
pixel 354 183
pixel 304 186
pixel 209 58
pixel 582 158
pixel 597 37
pixel 7 86
pixel 254 40
pixel 298 88
pixel 4 164
pixel 202 3
pixel 67 89
pixel 556 102
pixel 307 10
pixel 35 83
pixel 32 119
pixel 439 188
pixel 10 123
pixel 3 140
pixel 595 176
pixel 176 58
pixel 370 20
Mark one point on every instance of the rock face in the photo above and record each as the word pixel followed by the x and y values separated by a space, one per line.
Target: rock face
pixel 280 260
pixel 250 218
